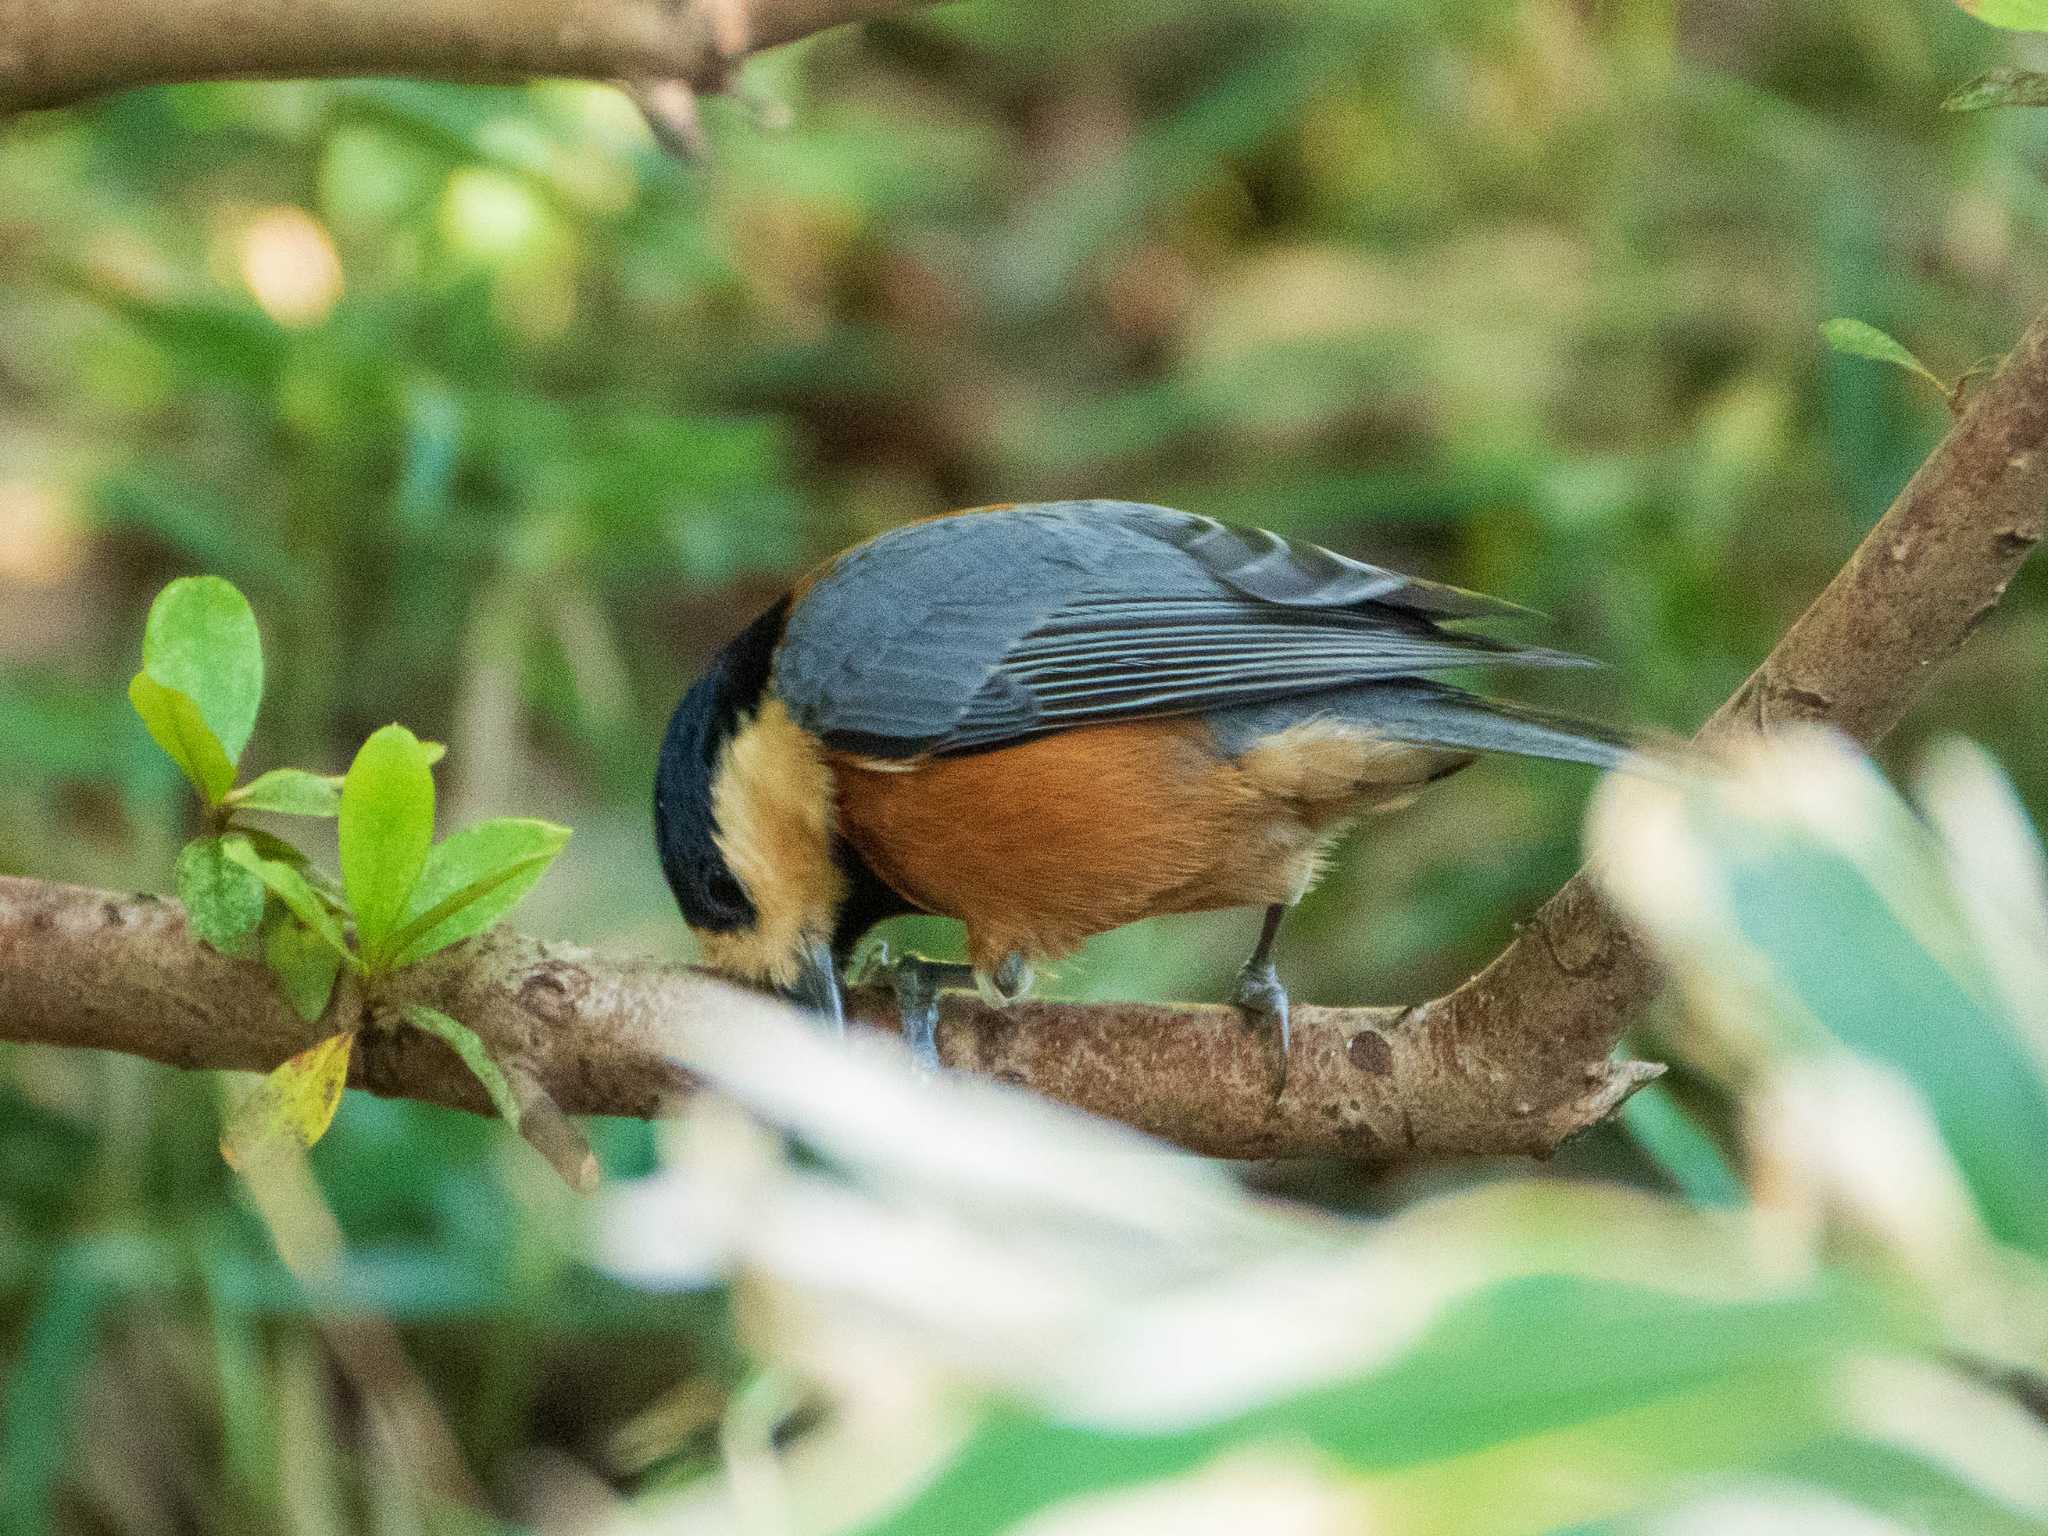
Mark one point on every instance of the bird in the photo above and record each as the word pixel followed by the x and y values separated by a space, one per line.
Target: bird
pixel 1048 720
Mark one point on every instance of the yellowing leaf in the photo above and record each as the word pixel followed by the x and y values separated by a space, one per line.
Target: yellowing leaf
pixel 292 1108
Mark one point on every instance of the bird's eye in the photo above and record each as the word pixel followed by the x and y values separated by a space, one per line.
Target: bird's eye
pixel 727 892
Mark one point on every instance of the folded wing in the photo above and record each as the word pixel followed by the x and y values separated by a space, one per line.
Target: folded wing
pixel 990 627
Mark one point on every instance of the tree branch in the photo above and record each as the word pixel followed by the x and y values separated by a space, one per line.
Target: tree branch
pixel 87 968
pixel 53 52
pixel 1515 1060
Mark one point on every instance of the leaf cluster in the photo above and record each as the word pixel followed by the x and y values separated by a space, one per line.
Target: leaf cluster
pixel 400 896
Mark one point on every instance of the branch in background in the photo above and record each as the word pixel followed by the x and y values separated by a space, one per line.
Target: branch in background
pixel 54 52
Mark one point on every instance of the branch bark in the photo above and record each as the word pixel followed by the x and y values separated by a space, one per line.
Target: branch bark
pixel 1513 1061
pixel 53 52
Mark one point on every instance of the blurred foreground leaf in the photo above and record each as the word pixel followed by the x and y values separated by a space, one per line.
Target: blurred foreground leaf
pixel 1024 1320
pixel 1807 910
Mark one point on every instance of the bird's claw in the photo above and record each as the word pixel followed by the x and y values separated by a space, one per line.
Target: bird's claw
pixel 1264 1001
pixel 916 981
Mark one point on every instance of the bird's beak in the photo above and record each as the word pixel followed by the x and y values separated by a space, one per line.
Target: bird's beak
pixel 817 986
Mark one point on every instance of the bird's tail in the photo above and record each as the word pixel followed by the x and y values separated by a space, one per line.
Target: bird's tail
pixel 1438 715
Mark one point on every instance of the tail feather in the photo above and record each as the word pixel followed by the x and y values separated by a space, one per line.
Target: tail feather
pixel 1434 715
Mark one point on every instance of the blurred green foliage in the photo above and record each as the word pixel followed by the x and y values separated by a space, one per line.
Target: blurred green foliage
pixel 504 421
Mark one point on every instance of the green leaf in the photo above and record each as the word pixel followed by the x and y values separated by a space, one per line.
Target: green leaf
pixel 2006 87
pixel 293 890
pixel 223 898
pixel 387 826
pixel 274 847
pixel 305 965
pixel 467 1044
pixel 293 1107
pixel 201 639
pixel 1854 338
pixel 435 751
pixel 2013 15
pixel 471 880
pixel 175 724
pixel 290 792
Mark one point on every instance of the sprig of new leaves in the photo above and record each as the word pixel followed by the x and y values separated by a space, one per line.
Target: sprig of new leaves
pixel 400 898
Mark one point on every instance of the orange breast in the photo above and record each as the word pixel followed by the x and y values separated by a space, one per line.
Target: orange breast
pixel 1039 845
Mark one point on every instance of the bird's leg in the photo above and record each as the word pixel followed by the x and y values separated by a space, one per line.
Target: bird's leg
pixel 1010 980
pixel 917 980
pixel 1262 997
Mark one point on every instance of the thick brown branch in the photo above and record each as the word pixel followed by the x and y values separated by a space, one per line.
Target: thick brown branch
pixel 1513 1061
pixel 89 968
pixel 58 51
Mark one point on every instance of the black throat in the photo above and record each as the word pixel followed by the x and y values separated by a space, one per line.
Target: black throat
pixel 710 895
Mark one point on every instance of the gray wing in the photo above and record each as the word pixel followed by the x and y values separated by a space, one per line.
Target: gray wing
pixel 990 627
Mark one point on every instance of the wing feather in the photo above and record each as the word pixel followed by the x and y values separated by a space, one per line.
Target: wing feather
pixel 971 631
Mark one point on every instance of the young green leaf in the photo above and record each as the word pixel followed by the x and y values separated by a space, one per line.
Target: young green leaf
pixel 201 640
pixel 2013 15
pixel 305 966
pixel 292 889
pixel 223 899
pixel 290 792
pixel 292 1108
pixel 1854 338
pixel 467 1044
pixel 472 879
pixel 274 847
pixel 435 751
pixel 2007 87
pixel 175 724
pixel 387 826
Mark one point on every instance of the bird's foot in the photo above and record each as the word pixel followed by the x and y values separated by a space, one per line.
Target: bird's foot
pixel 1264 1001
pixel 1009 981
pixel 917 981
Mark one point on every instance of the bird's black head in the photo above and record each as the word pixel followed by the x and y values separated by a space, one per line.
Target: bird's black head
pixel 746 817
pixel 709 892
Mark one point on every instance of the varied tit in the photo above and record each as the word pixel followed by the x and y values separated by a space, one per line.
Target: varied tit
pixel 1048 721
